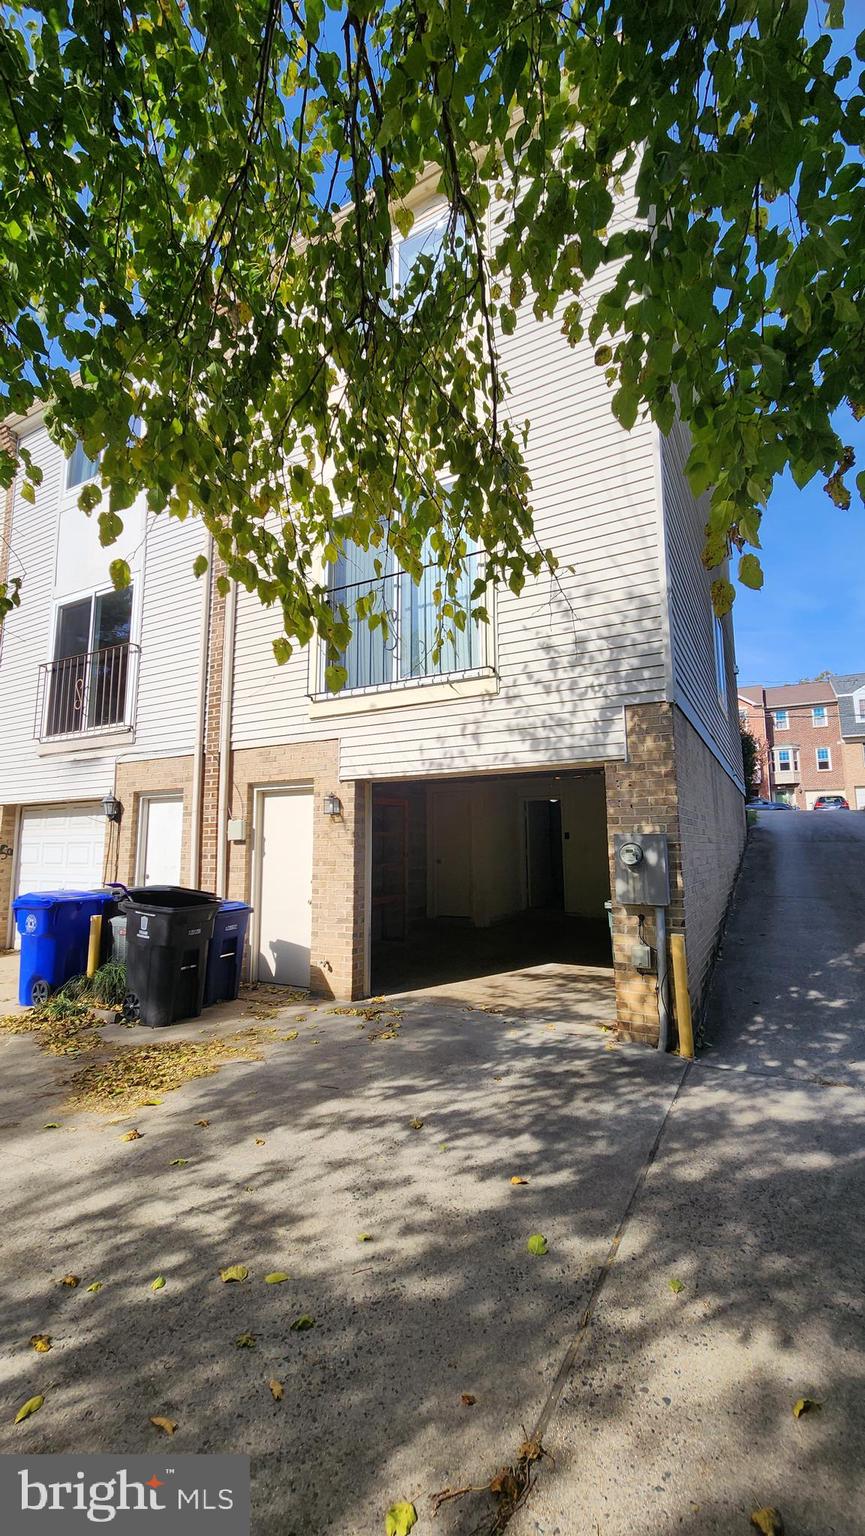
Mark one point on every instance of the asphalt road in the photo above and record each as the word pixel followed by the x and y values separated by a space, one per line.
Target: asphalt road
pixel 741 1179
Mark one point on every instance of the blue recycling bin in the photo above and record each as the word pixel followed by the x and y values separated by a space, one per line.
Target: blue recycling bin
pixel 55 933
pixel 225 956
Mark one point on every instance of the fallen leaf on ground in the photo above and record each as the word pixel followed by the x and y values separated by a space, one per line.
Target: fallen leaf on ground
pixel 70 1280
pixel 259 1141
pixel 168 1426
pixel 131 1136
pixel 518 1179
pixel 416 1125
pixel 292 1034
pixel 32 1405
pixel 504 1485
pixel 178 1162
pixel 537 1244
pixel 158 1284
pixel 301 1323
pixel 277 1390
pixel 245 1341
pixel 468 1399
pixel 400 1518
pixel 364 1237
pixel 234 1272
pixel 805 1405
pixel 151 1103
pixel 202 1122
pixel 41 1343
pixel 276 1277
pixel 768 1521
pixel 96 1286
pixel 53 1125
pixel 676 1285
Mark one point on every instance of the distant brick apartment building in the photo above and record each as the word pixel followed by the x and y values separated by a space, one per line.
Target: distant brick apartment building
pixel 804 750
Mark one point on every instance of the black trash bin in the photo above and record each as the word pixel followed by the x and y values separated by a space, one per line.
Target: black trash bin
pixel 168 930
pixel 226 953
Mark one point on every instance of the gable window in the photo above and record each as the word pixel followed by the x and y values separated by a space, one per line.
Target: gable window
pixel 80 469
pixel 824 758
pixel 860 707
pixel 819 715
pixel 781 719
pixel 425 239
pixel 720 661
pixel 406 642
pixel 88 679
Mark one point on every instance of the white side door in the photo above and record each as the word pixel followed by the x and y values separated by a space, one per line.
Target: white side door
pixel 160 837
pixel 283 886
pixel 860 798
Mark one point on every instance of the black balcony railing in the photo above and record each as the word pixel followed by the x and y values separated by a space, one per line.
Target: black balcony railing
pixel 87 694
pixel 415 637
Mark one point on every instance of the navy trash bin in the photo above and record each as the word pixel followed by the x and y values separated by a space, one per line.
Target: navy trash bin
pixel 225 955
pixel 55 932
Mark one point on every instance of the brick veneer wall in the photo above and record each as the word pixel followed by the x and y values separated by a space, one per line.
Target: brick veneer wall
pixel 672 783
pixel 339 850
pixel 712 828
pixel 152 776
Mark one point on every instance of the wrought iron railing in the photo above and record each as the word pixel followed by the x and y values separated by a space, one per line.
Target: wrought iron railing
pixel 87 694
pixel 414 637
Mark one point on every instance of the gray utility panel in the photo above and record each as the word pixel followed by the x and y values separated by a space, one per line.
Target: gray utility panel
pixel 642 869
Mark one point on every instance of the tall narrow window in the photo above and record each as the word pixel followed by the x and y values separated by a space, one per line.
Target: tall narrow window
pixel 781 719
pixel 79 469
pixel 720 661
pixel 824 758
pixel 819 715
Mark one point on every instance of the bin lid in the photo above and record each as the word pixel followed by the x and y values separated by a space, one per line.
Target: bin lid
pixel 166 898
pixel 234 906
pixel 52 898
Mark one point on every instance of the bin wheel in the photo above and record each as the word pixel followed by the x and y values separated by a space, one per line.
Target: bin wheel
pixel 131 1006
pixel 39 993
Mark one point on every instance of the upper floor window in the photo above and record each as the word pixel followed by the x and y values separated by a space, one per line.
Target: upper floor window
pixel 79 469
pixel 781 719
pixel 819 715
pixel 860 707
pixel 720 661
pixel 824 758
pixel 425 239
pixel 787 759
pixel 409 637
pixel 86 685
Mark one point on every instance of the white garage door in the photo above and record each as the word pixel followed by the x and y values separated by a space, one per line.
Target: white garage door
pixel 61 847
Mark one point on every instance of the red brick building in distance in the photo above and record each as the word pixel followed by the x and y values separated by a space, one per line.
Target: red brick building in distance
pixel 797 728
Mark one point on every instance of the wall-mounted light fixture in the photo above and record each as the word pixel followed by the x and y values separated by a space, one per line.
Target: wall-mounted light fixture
pixel 332 805
pixel 112 807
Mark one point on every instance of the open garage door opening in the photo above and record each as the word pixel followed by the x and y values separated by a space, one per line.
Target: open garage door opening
pixel 478 880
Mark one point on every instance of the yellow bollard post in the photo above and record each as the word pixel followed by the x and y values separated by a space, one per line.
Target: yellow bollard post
pixel 95 944
pixel 683 997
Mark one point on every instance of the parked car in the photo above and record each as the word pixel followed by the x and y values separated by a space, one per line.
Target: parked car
pixel 770 805
pixel 831 803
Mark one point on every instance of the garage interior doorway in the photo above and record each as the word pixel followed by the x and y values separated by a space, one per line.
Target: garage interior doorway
pixel 483 886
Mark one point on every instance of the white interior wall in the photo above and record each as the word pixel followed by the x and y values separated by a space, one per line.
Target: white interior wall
pixel 485 876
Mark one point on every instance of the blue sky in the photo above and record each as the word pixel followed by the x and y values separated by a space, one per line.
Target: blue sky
pixel 810 614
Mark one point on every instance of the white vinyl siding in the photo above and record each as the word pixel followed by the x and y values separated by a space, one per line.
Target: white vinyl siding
pixel 695 650
pixel 166 623
pixel 569 654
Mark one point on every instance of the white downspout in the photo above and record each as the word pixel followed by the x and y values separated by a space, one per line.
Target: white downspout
pixel 226 694
pixel 200 721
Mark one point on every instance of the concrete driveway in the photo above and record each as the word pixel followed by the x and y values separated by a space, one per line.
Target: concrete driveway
pixel 662 1409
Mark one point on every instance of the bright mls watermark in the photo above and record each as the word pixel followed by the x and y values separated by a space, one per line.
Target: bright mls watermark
pixel 171 1495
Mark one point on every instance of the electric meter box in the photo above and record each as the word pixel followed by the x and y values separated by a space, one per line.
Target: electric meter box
pixel 642 869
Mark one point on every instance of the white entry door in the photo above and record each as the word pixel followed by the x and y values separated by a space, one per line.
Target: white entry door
pixel 860 798
pixel 283 885
pixel 160 835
